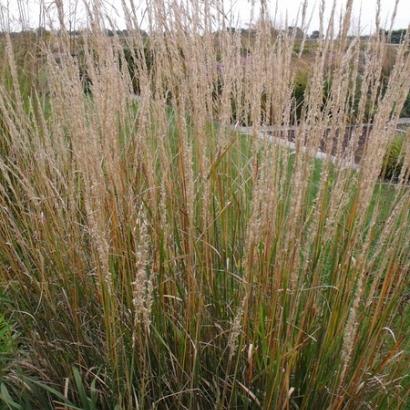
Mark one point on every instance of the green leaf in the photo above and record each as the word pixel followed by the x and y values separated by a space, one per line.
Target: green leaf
pixel 7 399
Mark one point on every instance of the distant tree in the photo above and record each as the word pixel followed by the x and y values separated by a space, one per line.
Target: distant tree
pixel 397 36
pixel 295 30
pixel 315 35
pixel 382 33
pixel 75 33
pixel 41 32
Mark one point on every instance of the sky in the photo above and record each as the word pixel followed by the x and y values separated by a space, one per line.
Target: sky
pixel 287 10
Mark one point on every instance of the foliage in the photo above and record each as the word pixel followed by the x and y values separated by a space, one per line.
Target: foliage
pixel 395 36
pixel 406 108
pixel 7 345
pixel 393 159
pixel 299 90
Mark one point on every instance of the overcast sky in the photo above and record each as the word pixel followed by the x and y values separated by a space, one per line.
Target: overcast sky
pixel 241 9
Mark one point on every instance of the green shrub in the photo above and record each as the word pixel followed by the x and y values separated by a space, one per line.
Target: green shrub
pixel 405 112
pixel 299 90
pixel 7 346
pixel 393 159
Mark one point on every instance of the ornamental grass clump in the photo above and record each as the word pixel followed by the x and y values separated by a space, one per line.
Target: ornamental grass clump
pixel 163 251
